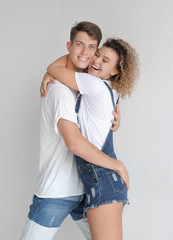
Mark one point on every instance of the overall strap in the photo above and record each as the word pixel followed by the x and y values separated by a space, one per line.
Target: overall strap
pixel 108 147
pixel 78 101
pixel 112 96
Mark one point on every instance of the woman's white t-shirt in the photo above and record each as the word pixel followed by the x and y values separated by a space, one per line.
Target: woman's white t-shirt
pixel 96 108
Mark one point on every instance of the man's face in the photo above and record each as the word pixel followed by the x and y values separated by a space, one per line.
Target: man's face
pixel 81 50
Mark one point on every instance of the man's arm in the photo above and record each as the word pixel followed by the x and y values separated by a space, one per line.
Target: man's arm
pixel 77 144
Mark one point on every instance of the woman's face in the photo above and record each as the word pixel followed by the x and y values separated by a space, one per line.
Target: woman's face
pixel 104 63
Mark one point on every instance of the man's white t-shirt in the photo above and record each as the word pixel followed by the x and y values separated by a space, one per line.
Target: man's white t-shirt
pixel 96 108
pixel 58 176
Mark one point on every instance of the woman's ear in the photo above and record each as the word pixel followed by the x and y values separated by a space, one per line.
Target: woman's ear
pixel 68 45
pixel 114 72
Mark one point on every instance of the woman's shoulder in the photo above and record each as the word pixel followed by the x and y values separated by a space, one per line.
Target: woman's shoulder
pixel 88 76
pixel 108 85
pixel 88 84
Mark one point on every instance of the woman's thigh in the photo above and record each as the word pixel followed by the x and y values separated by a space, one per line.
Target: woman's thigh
pixel 106 221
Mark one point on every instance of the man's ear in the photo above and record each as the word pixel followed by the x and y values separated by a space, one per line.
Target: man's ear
pixel 68 45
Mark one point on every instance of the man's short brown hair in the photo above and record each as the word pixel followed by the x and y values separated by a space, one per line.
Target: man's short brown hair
pixel 90 28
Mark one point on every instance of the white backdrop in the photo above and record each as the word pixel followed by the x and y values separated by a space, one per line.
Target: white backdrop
pixel 33 33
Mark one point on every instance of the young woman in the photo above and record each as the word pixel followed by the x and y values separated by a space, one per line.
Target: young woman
pixel 115 66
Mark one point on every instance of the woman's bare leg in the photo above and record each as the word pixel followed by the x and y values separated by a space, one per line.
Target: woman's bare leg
pixel 106 222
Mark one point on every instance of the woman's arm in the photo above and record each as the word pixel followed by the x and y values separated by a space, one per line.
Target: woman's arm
pixel 63 74
pixel 43 88
pixel 62 61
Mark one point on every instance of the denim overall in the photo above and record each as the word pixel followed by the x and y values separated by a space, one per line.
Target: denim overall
pixel 102 186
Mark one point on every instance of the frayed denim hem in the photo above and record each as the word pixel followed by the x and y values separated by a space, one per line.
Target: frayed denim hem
pixel 125 202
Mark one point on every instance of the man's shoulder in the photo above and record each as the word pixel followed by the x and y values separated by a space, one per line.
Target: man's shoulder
pixel 57 86
pixel 60 90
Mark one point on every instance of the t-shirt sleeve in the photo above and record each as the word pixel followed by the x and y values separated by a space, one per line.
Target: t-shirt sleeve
pixel 88 84
pixel 60 104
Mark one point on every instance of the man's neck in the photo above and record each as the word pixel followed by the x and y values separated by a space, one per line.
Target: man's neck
pixel 71 66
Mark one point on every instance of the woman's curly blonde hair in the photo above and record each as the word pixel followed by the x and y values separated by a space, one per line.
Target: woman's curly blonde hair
pixel 127 66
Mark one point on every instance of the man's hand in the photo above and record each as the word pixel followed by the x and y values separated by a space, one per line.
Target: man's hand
pixel 46 79
pixel 117 116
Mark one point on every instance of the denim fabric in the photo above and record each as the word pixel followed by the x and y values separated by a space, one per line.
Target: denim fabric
pixel 102 186
pixel 51 212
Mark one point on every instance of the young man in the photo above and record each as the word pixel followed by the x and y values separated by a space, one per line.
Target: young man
pixel 59 191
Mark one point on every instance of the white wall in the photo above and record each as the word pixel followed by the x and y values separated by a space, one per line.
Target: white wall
pixel 33 33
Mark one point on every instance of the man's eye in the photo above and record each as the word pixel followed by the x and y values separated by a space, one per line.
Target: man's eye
pixel 79 44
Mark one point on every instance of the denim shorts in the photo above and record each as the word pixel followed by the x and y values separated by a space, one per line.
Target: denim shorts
pixel 102 186
pixel 51 212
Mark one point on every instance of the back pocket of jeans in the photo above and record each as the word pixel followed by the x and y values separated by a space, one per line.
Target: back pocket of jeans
pixel 116 182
